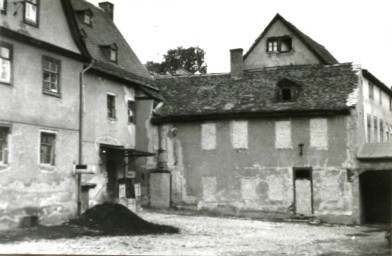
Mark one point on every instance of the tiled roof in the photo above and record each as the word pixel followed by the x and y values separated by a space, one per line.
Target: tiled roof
pixel 322 88
pixel 104 32
pixel 320 51
pixel 375 150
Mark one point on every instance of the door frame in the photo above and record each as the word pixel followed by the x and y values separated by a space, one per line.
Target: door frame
pixel 310 169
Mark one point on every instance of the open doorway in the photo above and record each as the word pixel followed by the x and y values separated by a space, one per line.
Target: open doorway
pixel 376 190
pixel 111 186
pixel 303 191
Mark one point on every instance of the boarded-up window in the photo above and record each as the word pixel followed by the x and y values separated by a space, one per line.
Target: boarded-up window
pixel 319 133
pixel 369 127
pixel 283 134
pixel 239 134
pixel 375 129
pixel 208 136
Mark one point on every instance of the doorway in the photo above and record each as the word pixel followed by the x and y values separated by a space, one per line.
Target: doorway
pixel 111 185
pixel 376 190
pixel 303 191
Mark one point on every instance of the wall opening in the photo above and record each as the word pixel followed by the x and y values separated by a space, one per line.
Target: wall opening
pixel 303 191
pixel 376 191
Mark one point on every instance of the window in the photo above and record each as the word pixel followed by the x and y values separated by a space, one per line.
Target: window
pixel 111 105
pixel 287 90
pixel 279 44
pixel 371 90
pixel 87 18
pixel 31 12
pixel 51 76
pixel 208 136
pixel 375 129
pixel 47 148
pixel 381 130
pixel 239 134
pixel 4 145
pixel 380 97
pixel 113 55
pixel 131 111
pixel 283 135
pixel 5 62
pixel 3 6
pixel 110 51
pixel 319 133
pixel 369 128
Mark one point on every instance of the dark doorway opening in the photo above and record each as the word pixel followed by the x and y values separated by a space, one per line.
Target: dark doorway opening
pixel 303 191
pixel 111 168
pixel 376 190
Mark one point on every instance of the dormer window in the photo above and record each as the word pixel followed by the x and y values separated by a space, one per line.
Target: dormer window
pixel 85 16
pixel 87 19
pixel 113 55
pixel 287 90
pixel 110 51
pixel 31 12
pixel 279 44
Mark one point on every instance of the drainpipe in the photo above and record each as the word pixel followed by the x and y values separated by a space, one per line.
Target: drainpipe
pixel 81 103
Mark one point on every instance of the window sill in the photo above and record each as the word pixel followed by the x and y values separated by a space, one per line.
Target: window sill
pixel 281 53
pixel 6 83
pixel 30 23
pixel 47 167
pixel 4 167
pixel 112 120
pixel 53 94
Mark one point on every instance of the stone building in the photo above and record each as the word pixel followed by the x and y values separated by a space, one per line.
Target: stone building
pixel 288 132
pixel 56 56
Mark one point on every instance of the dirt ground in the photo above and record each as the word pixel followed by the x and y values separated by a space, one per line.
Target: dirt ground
pixel 203 235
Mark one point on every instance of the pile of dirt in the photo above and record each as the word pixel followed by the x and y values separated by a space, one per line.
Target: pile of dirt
pixel 118 219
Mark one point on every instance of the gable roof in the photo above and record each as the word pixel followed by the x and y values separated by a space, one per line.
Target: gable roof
pixel 103 32
pixel 317 49
pixel 323 90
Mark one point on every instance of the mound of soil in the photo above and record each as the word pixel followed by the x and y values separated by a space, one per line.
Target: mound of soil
pixel 118 219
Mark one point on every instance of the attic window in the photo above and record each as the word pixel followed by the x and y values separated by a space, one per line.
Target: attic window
pixel 87 18
pixel 31 12
pixel 287 90
pixel 3 6
pixel 279 44
pixel 110 51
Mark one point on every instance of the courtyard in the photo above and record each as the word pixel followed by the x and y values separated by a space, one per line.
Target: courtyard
pixel 206 235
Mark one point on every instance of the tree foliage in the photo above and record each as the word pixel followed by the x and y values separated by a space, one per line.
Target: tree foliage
pixel 180 60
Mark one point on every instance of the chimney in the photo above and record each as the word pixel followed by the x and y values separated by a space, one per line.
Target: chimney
pixel 108 8
pixel 236 62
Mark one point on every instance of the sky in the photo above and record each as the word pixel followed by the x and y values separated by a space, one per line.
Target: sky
pixel 355 31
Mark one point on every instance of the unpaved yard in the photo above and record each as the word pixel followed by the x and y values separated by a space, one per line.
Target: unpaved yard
pixel 201 235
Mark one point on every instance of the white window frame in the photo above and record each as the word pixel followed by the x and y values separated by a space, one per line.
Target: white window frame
pixel 31 10
pixel 6 61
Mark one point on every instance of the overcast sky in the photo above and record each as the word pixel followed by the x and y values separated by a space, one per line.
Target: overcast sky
pixel 356 31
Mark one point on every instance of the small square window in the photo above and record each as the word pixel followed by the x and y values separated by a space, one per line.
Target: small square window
pixel 31 12
pixel 5 63
pixel 4 131
pixel 111 106
pixel 47 148
pixel 3 6
pixel 51 76
pixel 87 19
pixel 131 111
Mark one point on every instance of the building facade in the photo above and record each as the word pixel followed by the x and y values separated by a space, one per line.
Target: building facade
pixel 284 134
pixel 52 62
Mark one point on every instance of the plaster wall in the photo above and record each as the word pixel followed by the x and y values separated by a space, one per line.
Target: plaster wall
pixel 23 100
pixel 51 20
pixel 260 177
pixel 260 58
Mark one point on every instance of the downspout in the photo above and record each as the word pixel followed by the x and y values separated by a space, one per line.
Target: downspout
pixel 81 103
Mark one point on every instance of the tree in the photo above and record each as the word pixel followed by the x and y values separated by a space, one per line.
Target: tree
pixel 179 60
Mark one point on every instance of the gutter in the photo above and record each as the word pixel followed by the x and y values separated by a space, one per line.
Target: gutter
pixel 80 149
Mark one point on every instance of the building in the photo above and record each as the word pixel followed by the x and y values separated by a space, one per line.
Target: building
pixel 56 56
pixel 289 132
